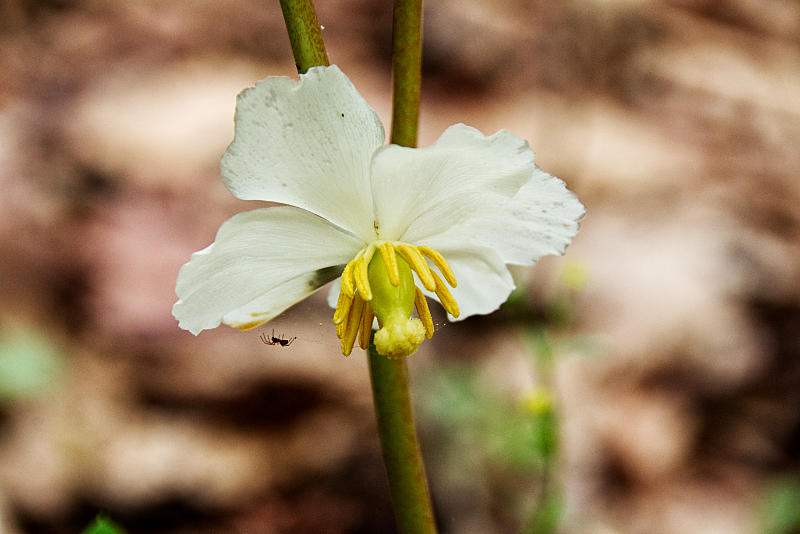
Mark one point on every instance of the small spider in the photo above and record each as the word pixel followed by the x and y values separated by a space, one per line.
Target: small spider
pixel 272 340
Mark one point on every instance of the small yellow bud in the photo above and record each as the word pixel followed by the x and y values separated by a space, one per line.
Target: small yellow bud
pixel 538 402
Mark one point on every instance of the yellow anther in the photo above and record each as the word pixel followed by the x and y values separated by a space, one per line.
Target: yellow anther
pixel 423 312
pixel 360 274
pixel 390 260
pixel 342 307
pixel 440 263
pixel 347 279
pixel 353 324
pixel 365 329
pixel 340 329
pixel 418 263
pixel 447 300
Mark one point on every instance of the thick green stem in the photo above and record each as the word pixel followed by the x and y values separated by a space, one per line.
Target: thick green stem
pixel 401 454
pixel 406 70
pixel 304 34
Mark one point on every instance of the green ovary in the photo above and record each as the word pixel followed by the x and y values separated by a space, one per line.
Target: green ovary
pixel 399 335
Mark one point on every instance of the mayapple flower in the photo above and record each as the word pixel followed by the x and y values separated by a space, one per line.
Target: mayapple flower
pixel 393 224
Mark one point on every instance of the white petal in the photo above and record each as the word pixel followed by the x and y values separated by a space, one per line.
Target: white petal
pixel 420 192
pixel 308 144
pixel 261 262
pixel 333 293
pixel 541 219
pixel 484 281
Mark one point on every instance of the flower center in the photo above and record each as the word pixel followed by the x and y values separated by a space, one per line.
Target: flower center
pixel 379 282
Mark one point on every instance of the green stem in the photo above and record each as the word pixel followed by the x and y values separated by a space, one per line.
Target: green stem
pixel 305 34
pixel 406 70
pixel 401 454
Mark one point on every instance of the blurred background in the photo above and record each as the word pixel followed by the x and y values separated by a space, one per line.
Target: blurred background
pixel 648 382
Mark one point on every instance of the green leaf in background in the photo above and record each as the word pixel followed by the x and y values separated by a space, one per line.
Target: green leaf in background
pixel 29 363
pixel 547 516
pixel 103 525
pixel 780 508
pixel 501 438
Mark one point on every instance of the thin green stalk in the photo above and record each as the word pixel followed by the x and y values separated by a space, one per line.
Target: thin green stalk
pixel 305 34
pixel 406 70
pixel 401 454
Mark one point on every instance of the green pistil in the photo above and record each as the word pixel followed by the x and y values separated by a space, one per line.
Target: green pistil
pixel 399 335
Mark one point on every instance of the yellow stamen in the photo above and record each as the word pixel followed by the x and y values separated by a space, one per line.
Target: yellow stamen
pixel 387 250
pixel 342 307
pixel 366 326
pixel 447 300
pixel 418 263
pixel 348 286
pixel 340 329
pixel 360 273
pixel 424 313
pixel 383 286
pixel 440 263
pixel 353 324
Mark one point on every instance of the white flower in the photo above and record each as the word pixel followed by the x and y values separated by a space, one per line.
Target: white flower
pixel 384 218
